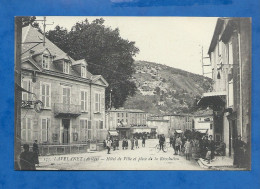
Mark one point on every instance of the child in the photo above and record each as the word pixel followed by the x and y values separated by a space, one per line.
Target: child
pixel 208 155
pixel 187 147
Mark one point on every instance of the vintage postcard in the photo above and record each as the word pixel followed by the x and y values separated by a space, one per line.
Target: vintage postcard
pixel 132 93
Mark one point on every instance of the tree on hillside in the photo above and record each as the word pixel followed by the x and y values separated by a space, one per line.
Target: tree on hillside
pixel 105 51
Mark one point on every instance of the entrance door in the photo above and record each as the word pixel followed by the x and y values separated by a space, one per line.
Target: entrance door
pixel 66 131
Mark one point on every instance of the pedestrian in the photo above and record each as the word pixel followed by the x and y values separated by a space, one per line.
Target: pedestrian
pixel 27 159
pixel 36 153
pixel 132 143
pixel 171 140
pixel 178 144
pixel 117 143
pixel 126 143
pixel 123 144
pixel 239 152
pixel 173 144
pixel 188 148
pixel 161 142
pixel 211 145
pixel 136 143
pixel 108 144
pixel 104 144
pixel 114 143
pixel 204 147
pixel 143 141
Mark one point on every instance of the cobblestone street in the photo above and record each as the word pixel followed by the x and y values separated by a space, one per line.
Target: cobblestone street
pixel 142 158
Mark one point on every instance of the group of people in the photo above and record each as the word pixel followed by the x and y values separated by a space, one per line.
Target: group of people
pixel 204 148
pixel 28 159
pixel 110 142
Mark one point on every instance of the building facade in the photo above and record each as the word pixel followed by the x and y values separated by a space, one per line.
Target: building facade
pixel 230 55
pixel 73 99
pixel 178 122
pixel 204 125
pixel 162 125
pixel 126 122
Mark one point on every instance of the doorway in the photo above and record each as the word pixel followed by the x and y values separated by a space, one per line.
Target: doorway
pixel 66 131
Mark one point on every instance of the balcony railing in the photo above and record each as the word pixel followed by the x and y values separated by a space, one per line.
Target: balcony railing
pixel 61 109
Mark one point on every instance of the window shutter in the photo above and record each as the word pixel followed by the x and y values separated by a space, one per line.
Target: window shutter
pixel 89 124
pixel 101 124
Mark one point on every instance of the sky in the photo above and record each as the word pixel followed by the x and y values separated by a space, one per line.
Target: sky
pixel 173 41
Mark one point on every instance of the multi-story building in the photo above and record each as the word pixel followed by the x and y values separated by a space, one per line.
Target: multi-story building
pixel 204 125
pixel 126 121
pixel 73 99
pixel 179 122
pixel 230 56
pixel 161 125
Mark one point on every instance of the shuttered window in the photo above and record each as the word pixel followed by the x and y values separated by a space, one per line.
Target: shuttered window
pixel 46 95
pixel 26 130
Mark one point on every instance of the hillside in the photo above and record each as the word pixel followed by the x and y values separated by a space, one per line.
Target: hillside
pixel 165 90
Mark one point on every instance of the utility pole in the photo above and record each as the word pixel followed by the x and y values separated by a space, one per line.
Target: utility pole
pixel 18 93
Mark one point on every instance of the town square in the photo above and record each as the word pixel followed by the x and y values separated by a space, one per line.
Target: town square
pixel 96 94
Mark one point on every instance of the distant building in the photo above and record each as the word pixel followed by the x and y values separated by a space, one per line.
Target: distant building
pixel 161 125
pixel 178 122
pixel 204 125
pixel 126 122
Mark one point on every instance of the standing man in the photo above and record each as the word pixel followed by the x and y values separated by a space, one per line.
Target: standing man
pixel 178 144
pixel 161 142
pixel 109 142
pixel 239 150
pixel 143 141
pixel 132 143
pixel 27 159
pixel 36 152
pixel 211 145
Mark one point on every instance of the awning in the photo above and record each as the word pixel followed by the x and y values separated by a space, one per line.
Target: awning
pixel 178 131
pixel 203 131
pixel 212 99
pixel 113 133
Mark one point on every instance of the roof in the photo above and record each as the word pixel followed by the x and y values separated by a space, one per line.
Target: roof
pixel 30 34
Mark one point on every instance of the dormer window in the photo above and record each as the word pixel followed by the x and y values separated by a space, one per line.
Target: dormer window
pixel 45 61
pixel 66 67
pixel 83 71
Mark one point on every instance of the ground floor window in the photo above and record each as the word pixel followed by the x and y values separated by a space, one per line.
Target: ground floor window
pixel 26 130
pixel 45 125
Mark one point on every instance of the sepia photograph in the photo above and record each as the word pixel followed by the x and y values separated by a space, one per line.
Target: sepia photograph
pixel 132 93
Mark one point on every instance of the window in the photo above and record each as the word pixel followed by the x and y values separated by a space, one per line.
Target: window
pixel 83 132
pixel 66 67
pixel 46 95
pixel 97 102
pixel 126 115
pixel 83 101
pixel 27 85
pixel 26 131
pixel 45 61
pixel 230 53
pixel 45 125
pixel 230 93
pixel 122 114
pixel 83 71
pixel 118 121
pixel 66 95
pixel 101 125
pixel 118 114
